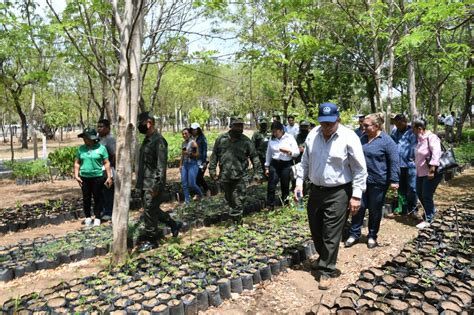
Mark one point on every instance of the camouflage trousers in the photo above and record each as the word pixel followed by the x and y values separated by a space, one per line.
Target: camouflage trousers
pixel 234 194
pixel 153 215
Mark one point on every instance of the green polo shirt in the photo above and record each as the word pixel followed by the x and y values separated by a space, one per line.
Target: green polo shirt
pixel 92 160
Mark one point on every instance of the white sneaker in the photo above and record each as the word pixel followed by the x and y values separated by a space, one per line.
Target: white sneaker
pixel 422 225
pixel 88 222
pixel 96 222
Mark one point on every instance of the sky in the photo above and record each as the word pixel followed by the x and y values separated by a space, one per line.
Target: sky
pixel 196 43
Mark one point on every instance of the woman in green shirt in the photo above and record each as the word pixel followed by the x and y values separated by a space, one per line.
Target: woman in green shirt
pixel 91 158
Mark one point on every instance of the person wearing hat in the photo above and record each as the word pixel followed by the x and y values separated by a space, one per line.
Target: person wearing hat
pixel 360 131
pixel 90 158
pixel 201 141
pixel 301 138
pixel 151 180
pixel 335 165
pixel 231 152
pixel 406 141
pixel 260 139
pixel 188 166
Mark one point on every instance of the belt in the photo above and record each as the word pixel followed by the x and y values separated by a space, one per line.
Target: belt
pixel 326 188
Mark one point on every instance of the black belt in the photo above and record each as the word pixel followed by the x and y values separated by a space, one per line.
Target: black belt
pixel 327 188
pixel 282 162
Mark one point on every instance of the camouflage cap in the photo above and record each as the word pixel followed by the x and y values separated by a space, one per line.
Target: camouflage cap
pixel 305 123
pixel 145 116
pixel 236 120
pixel 262 120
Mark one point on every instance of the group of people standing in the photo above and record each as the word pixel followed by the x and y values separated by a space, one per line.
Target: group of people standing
pixel 343 172
pixel 94 168
pixel 351 172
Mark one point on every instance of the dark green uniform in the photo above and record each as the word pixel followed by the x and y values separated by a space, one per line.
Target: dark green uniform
pixel 260 140
pixel 151 177
pixel 232 157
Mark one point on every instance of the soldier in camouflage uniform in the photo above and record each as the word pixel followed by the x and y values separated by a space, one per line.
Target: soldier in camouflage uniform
pixel 301 140
pixel 151 179
pixel 231 152
pixel 260 140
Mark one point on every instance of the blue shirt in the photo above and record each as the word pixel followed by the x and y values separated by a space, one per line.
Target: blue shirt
pixel 202 144
pixel 381 156
pixel 406 141
pixel 359 132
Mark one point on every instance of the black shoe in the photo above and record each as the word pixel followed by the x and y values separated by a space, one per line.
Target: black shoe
pixel 351 241
pixel 176 227
pixel 372 243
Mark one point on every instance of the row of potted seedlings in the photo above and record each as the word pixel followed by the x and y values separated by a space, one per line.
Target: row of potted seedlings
pixel 432 274
pixel 185 280
pixel 58 211
pixel 39 214
pixel 50 252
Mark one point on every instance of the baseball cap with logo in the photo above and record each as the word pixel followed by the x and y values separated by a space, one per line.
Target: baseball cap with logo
pixel 89 133
pixel 328 112
pixel 195 125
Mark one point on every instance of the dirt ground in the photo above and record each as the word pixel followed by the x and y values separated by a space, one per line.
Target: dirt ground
pixel 294 292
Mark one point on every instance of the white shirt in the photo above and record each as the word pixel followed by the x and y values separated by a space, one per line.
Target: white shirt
pixel 287 141
pixel 292 130
pixel 449 121
pixel 335 162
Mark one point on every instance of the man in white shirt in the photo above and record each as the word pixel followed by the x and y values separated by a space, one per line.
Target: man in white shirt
pixel 292 128
pixel 334 163
pixel 448 127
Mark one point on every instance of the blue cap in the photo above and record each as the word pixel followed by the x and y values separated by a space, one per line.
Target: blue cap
pixel 328 112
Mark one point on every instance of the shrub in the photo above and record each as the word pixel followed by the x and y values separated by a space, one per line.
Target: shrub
pixel 63 160
pixel 31 170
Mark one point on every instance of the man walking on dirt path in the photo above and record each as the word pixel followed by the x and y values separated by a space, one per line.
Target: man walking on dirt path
pixel 151 180
pixel 231 152
pixel 260 140
pixel 334 163
pixel 406 140
pixel 107 140
pixel 449 127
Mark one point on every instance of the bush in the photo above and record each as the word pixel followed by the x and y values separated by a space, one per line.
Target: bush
pixel 63 160
pixel 32 170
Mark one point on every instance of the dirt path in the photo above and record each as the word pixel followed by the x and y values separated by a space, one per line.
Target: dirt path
pixel 296 292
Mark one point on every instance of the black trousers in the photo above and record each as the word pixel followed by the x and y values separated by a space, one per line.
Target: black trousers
pixel 92 187
pixel 327 215
pixel 200 181
pixel 279 172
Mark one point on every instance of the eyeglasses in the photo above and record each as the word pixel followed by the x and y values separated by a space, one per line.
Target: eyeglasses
pixel 366 125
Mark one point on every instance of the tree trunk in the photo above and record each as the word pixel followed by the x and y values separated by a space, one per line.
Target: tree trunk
pixel 436 109
pixel 24 124
pixel 412 87
pixel 388 111
pixel 370 90
pixel 128 99
pixel 468 101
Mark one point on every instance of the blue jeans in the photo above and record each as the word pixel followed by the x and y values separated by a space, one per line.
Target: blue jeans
pixel 408 188
pixel 373 199
pixel 189 172
pixel 425 190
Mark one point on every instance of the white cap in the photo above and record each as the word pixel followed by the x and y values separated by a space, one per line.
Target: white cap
pixel 195 126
